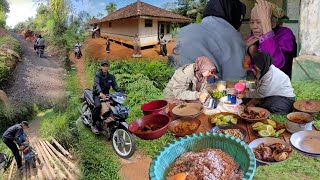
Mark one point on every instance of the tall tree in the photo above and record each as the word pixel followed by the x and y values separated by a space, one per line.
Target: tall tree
pixel 4 6
pixel 99 15
pixel 111 7
pixel 4 9
pixel 170 6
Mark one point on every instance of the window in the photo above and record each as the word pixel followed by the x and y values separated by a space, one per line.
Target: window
pixel 110 24
pixel 168 28
pixel 148 23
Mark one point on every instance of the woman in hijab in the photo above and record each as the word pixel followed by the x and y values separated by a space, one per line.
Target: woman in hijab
pixel 269 36
pixel 273 87
pixel 217 38
pixel 188 82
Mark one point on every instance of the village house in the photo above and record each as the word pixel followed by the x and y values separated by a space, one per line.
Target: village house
pixel 148 21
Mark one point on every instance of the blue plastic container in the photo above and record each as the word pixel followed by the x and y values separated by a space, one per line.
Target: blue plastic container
pixel 236 148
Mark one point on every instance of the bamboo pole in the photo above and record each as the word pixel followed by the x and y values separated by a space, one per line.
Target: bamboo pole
pixel 11 168
pixel 64 168
pixel 56 169
pixel 64 152
pixel 44 170
pixel 65 160
pixel 47 163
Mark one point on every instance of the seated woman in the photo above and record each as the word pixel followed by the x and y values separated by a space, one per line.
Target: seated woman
pixel 273 87
pixel 269 36
pixel 189 81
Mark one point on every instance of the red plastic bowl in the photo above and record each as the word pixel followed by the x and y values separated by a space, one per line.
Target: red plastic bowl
pixel 152 119
pixel 154 107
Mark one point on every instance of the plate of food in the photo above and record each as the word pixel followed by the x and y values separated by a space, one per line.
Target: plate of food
pixel 184 126
pixel 308 106
pixel 231 130
pixel 268 128
pixel 253 114
pixel 271 150
pixel 223 118
pixel 188 110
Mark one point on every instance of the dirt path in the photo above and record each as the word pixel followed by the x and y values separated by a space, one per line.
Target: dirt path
pixel 137 167
pixel 36 80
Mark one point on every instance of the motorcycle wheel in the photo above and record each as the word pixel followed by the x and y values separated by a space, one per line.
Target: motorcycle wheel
pixel 86 111
pixel 123 143
pixel 39 54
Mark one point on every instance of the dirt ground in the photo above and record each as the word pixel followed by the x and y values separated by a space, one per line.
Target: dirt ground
pixel 36 80
pixel 96 48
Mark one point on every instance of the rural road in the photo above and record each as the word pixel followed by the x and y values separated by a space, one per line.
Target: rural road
pixel 35 80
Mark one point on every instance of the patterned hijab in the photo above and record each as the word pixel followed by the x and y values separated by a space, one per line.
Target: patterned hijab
pixel 202 65
pixel 279 13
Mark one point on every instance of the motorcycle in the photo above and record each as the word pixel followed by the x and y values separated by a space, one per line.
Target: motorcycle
pixel 77 52
pixel 28 152
pixel 112 123
pixel 40 51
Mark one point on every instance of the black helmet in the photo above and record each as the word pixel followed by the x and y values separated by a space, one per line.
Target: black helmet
pixel 39 36
pixel 104 62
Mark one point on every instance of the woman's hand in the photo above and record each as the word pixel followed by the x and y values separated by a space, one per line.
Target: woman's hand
pixel 203 96
pixel 253 102
pixel 251 41
pixel 264 12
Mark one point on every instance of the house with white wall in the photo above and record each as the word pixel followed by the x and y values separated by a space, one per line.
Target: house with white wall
pixel 148 21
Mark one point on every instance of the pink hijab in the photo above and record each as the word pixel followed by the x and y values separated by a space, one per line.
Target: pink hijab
pixel 202 65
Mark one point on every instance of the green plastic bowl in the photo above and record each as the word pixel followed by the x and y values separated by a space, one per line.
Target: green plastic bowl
pixel 236 148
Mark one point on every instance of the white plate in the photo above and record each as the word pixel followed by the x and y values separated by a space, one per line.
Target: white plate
pixel 224 99
pixel 268 141
pixel 306 141
pixel 304 153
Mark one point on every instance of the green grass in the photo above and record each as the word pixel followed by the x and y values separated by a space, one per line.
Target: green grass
pixel 298 167
pixel 98 160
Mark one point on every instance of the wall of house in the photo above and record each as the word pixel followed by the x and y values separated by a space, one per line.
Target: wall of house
pixel 124 29
pixel 149 35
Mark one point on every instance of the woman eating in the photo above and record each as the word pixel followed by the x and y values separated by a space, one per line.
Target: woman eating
pixel 188 82
pixel 273 87
pixel 269 36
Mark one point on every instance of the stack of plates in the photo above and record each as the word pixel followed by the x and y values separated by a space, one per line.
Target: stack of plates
pixel 307 143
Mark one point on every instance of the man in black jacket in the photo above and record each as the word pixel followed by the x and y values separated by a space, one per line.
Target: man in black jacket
pixel 103 80
pixel 12 134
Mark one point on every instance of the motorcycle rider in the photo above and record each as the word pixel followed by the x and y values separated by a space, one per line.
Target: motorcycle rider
pixel 77 46
pixel 12 134
pixel 39 43
pixel 103 80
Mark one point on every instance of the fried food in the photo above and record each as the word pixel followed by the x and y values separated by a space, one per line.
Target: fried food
pixel 251 114
pixel 185 127
pixel 149 128
pixel 273 153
